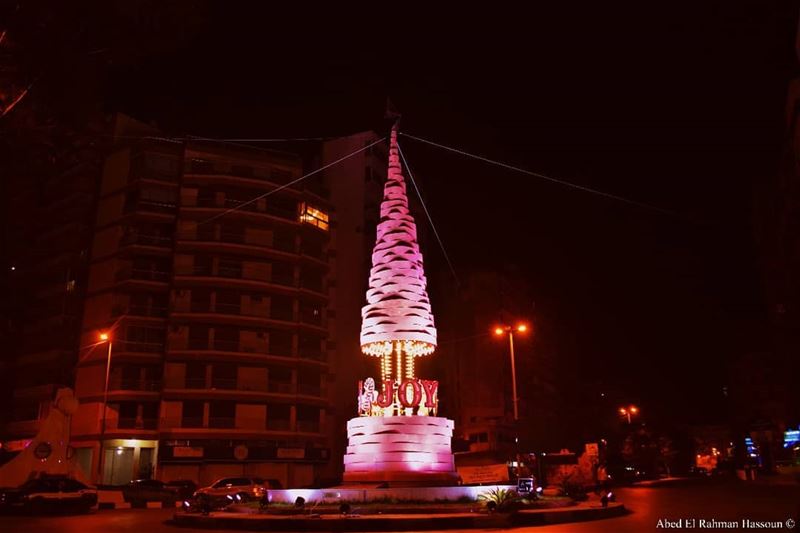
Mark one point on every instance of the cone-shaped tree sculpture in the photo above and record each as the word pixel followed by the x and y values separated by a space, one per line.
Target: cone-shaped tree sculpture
pixel 397 323
pixel 398 436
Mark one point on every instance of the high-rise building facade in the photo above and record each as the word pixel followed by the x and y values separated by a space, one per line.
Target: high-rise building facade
pixel 215 306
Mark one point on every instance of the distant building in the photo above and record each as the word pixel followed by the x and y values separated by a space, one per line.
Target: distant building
pixel 477 388
pixel 356 189
pixel 764 393
pixel 49 193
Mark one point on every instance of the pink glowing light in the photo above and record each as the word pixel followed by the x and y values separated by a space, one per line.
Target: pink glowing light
pixel 397 307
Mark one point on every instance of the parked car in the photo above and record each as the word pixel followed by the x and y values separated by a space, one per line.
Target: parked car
pixel 184 487
pixel 246 488
pixel 49 493
pixel 139 491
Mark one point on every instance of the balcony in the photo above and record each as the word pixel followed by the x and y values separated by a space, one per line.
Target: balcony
pixel 312 284
pixel 234 273
pixel 275 176
pixel 221 423
pixel 315 353
pixel 126 274
pixel 139 310
pixel 187 422
pixel 151 206
pixel 144 385
pixel 309 389
pixel 308 426
pixel 223 383
pixel 248 205
pixel 225 423
pixel 311 316
pixel 278 424
pixel 249 316
pixel 145 239
pixel 132 423
pixel 138 347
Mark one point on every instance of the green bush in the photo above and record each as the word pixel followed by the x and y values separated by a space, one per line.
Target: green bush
pixel 499 499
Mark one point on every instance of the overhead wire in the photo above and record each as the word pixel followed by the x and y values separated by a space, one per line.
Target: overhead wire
pixel 289 184
pixel 548 178
pixel 427 213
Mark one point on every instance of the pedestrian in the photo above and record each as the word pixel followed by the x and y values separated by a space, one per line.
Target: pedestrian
pixel 602 477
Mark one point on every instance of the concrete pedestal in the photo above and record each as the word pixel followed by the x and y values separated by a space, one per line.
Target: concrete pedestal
pixel 401 449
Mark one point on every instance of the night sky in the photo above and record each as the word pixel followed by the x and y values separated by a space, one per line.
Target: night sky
pixel 674 104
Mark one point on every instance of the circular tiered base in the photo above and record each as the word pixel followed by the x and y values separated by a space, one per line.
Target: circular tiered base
pixel 405 449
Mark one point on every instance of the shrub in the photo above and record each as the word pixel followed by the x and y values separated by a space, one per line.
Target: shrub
pixel 499 499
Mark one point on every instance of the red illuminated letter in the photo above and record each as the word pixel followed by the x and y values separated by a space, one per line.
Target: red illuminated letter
pixel 402 392
pixel 386 397
pixel 431 388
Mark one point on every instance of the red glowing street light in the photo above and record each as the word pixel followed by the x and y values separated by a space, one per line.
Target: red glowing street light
pixel 104 336
pixel 500 330
pixel 628 411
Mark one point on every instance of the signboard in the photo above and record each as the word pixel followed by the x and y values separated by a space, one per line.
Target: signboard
pixel 592 449
pixel 187 451
pixel 473 475
pixel 291 453
pixel 410 396
pixel 525 485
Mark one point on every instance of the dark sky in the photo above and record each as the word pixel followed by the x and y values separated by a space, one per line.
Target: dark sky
pixel 678 105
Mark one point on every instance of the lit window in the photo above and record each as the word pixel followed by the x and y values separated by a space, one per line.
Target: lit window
pixel 313 216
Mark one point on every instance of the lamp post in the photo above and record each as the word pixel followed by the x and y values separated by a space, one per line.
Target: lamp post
pixel 104 337
pixel 500 330
pixel 628 412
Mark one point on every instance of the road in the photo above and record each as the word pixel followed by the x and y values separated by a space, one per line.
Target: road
pixel 721 501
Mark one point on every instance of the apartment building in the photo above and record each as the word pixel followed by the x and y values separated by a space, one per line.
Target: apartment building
pixel 209 276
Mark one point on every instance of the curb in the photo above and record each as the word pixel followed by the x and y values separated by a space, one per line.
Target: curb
pixel 254 522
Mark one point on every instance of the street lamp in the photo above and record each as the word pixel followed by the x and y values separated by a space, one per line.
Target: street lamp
pixel 104 337
pixel 629 411
pixel 501 330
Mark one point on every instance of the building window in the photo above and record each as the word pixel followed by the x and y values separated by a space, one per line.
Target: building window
pixel 278 416
pixel 315 217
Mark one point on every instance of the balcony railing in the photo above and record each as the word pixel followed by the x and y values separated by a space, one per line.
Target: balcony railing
pixel 309 389
pixel 308 426
pixel 312 284
pixel 311 353
pixel 132 423
pixel 311 316
pixel 151 206
pixel 223 383
pixel 195 383
pixel 146 240
pixel 221 423
pixel 141 347
pixel 226 346
pixel 237 310
pixel 139 310
pixel 134 384
pixel 286 280
pixel 280 387
pixel 141 274
pixel 278 424
pixel 188 422
pixel 236 346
